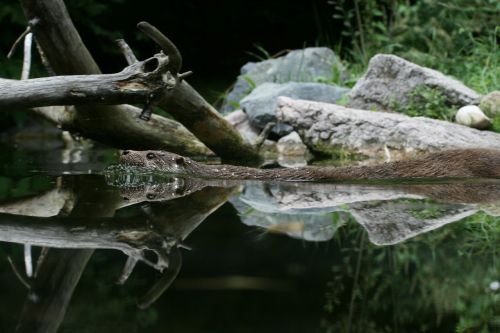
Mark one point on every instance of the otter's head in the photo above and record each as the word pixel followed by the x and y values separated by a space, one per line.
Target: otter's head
pixel 155 160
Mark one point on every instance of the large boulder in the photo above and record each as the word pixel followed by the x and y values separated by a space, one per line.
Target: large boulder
pixel 260 105
pixel 390 79
pixel 306 65
pixel 330 128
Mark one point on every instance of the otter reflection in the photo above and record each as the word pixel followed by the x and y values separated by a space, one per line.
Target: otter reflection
pixel 301 210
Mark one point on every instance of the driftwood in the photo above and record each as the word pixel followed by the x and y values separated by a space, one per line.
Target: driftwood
pixel 134 85
pixel 118 125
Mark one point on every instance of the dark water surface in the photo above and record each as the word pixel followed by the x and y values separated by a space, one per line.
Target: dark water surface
pixel 206 256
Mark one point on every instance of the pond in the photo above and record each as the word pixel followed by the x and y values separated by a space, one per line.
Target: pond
pixel 89 250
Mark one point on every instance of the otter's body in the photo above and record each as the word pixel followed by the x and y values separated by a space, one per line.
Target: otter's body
pixel 467 163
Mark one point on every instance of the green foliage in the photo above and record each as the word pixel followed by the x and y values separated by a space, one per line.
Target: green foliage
pixel 496 124
pixel 438 281
pixel 459 38
pixel 261 54
pixel 426 102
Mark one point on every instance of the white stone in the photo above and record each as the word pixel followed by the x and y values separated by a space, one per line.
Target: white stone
pixel 495 285
pixel 472 116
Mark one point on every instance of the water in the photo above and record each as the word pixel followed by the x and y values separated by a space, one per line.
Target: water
pixel 240 257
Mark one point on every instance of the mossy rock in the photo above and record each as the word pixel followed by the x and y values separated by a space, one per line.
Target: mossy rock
pixel 490 104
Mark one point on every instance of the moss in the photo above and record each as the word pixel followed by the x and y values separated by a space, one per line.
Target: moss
pixel 334 155
pixel 428 102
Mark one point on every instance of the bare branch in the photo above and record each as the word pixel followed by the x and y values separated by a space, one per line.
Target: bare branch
pixel 127 269
pixel 45 61
pixel 263 135
pixel 25 73
pixel 28 260
pixel 165 44
pixel 17 42
pixel 134 84
pixel 18 274
pixel 127 51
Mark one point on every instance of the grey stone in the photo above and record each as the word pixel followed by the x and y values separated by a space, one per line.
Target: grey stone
pixel 490 104
pixel 389 213
pixel 292 145
pixel 257 207
pixel 260 105
pixel 392 222
pixel 241 123
pixel 389 79
pixel 306 65
pixel 376 134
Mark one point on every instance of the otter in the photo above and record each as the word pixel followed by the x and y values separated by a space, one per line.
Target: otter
pixel 464 163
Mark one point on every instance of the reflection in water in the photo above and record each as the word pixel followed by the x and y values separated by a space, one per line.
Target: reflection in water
pixel 148 218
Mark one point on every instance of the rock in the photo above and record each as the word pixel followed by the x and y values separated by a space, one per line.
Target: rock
pixel 292 152
pixel 241 123
pixel 330 128
pixel 292 145
pixel 391 222
pixel 313 228
pixel 258 207
pixel 390 78
pixel 239 120
pixel 260 105
pixel 472 116
pixel 490 104
pixel 305 65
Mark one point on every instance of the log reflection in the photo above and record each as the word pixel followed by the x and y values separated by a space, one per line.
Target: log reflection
pixel 69 241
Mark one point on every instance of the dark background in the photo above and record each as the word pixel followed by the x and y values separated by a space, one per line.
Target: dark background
pixel 214 37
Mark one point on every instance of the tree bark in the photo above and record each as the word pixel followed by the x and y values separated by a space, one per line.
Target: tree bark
pixel 194 112
pixel 134 84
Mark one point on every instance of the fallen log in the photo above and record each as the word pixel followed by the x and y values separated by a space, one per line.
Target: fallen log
pixel 65 51
pixel 118 126
pixel 134 84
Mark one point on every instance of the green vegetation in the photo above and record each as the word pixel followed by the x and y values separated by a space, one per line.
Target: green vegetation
pixel 426 102
pixel 438 281
pixel 459 38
